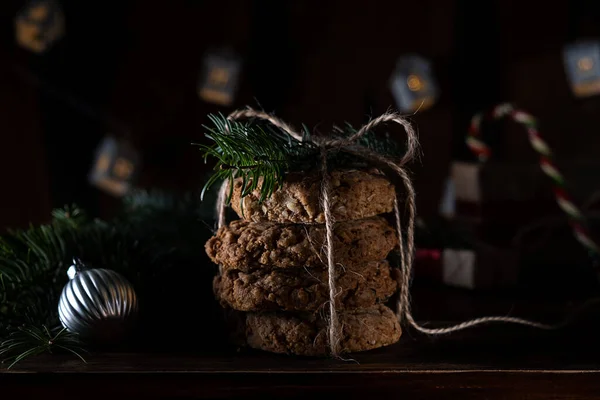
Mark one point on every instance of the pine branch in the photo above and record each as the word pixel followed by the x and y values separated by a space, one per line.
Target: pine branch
pixel 259 155
pixel 31 262
pixel 70 216
pixel 262 156
pixel 29 340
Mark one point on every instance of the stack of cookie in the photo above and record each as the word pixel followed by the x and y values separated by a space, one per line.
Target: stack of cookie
pixel 273 264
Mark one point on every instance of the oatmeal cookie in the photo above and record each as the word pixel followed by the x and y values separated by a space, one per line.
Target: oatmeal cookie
pixel 306 334
pixel 356 194
pixel 246 245
pixel 304 289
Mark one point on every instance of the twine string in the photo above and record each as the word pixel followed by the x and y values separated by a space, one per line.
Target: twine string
pixel 406 250
pixel 247 113
pixel 221 202
pixel 334 322
pixel 403 277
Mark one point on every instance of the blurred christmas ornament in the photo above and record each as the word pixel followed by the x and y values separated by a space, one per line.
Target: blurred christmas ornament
pixel 219 77
pixel 413 84
pixel 582 66
pixel 98 304
pixel 39 25
pixel 115 166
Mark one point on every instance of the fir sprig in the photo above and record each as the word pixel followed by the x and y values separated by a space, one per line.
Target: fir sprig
pixel 259 155
pixel 262 155
pixel 29 340
pixel 30 266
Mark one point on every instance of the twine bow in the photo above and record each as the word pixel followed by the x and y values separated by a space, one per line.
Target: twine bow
pixel 406 250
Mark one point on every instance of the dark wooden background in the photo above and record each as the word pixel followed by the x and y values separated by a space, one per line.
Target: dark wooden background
pixel 132 66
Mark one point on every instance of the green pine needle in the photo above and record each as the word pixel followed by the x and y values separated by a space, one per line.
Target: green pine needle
pixel 29 340
pixel 70 216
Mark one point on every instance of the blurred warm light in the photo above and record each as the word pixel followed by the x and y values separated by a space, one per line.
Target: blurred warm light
pixel 414 83
pixel 103 163
pixel 39 12
pixel 123 168
pixel 585 64
pixel 219 76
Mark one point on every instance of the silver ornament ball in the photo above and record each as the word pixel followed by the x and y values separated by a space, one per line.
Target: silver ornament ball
pixel 98 304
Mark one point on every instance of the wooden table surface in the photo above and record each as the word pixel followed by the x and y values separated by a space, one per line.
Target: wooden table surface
pixel 492 362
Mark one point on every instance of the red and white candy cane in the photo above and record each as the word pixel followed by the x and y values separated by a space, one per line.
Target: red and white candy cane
pixel 482 150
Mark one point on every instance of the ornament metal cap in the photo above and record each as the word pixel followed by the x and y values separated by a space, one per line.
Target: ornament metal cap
pixel 75 268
